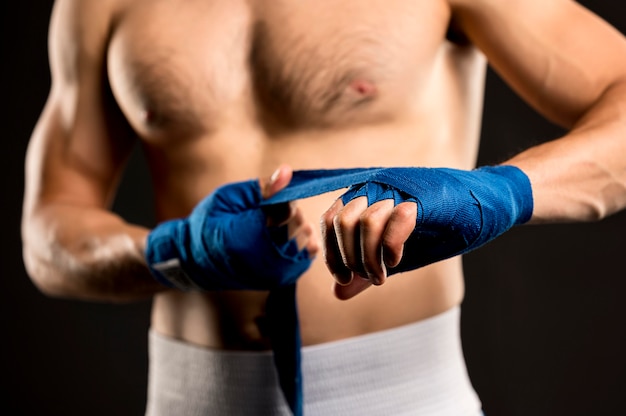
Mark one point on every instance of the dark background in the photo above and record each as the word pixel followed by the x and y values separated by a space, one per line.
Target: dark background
pixel 543 321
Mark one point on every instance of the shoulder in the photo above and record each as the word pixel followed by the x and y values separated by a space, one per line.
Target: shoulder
pixel 78 33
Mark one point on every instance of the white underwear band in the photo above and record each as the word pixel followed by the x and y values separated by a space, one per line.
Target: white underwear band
pixel 416 369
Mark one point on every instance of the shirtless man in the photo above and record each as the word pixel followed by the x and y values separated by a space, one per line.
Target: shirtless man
pixel 222 91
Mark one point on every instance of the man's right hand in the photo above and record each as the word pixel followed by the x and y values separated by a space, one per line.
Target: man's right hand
pixel 229 242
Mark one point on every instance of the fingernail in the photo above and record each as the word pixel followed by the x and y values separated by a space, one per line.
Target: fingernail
pixel 274 176
pixel 366 278
pixel 374 279
pixel 342 280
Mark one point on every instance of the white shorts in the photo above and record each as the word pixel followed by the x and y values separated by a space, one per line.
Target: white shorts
pixel 416 369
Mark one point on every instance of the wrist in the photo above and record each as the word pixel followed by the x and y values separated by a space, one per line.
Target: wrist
pixel 516 186
pixel 164 258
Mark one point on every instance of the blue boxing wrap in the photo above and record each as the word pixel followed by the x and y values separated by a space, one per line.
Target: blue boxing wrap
pixel 458 210
pixel 225 243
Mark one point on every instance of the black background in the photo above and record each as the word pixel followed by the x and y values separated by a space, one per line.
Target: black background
pixel 543 321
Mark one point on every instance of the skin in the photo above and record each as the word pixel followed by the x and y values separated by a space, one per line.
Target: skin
pixel 204 86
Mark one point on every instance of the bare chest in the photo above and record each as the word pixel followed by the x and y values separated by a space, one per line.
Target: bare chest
pixel 193 65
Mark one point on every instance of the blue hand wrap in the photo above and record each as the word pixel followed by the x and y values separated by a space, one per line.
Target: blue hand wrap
pixel 225 244
pixel 458 211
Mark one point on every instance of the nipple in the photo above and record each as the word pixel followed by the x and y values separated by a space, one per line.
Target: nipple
pixel 148 116
pixel 152 118
pixel 363 88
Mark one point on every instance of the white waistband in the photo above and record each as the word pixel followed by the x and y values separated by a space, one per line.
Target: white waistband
pixel 416 369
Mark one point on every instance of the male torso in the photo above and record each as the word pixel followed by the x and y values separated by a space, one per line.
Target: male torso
pixel 226 90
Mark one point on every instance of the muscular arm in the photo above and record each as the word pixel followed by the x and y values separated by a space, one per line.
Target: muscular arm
pixel 570 66
pixel 73 245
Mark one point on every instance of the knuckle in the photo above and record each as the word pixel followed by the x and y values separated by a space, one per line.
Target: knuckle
pixel 326 222
pixel 390 243
pixel 376 215
pixel 296 217
pixel 371 218
pixel 405 211
pixel 313 247
pixel 342 221
pixel 307 229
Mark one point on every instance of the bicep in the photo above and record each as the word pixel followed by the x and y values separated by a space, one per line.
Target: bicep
pixel 81 141
pixel 555 54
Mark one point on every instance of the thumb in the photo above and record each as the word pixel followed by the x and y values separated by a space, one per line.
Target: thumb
pixel 277 181
pixel 280 213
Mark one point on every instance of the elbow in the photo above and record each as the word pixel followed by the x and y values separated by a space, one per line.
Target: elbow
pixel 595 213
pixel 39 257
pixel 43 276
pixel 606 202
pixel 48 265
pixel 61 277
pixel 612 200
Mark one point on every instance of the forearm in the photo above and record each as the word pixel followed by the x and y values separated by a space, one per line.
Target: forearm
pixel 582 176
pixel 86 253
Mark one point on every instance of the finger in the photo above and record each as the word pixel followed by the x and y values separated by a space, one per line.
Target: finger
pixel 298 229
pixel 277 214
pixel 280 214
pixel 373 223
pixel 399 228
pixel 347 230
pixel 306 239
pixel 356 286
pixel 330 247
pixel 277 181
